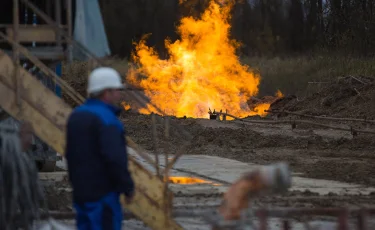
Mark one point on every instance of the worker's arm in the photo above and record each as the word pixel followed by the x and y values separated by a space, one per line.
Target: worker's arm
pixel 113 149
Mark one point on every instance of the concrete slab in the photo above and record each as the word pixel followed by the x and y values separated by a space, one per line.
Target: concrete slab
pixel 229 170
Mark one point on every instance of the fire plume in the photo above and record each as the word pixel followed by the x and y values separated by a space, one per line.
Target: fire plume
pixel 202 71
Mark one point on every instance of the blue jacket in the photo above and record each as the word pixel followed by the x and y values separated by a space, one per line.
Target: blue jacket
pixel 96 152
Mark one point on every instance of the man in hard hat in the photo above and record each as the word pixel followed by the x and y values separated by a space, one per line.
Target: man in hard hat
pixel 96 154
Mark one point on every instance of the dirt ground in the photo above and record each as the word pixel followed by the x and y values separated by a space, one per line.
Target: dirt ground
pixel 349 96
pixel 313 151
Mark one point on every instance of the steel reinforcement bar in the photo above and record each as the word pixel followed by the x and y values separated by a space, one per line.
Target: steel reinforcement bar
pixel 320 117
pixel 262 215
pixel 295 122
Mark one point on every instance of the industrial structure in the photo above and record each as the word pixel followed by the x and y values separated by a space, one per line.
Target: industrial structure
pixel 31 54
pixel 26 98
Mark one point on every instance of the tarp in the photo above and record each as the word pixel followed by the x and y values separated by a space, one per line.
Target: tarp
pixel 89 30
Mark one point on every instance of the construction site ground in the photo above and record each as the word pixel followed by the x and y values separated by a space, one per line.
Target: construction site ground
pixel 330 168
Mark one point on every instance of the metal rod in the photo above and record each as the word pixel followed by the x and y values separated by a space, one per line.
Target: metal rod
pixel 343 220
pixel 362 220
pixel 262 215
pixel 69 21
pixel 48 6
pixel 16 24
pixel 178 154
pixel 140 151
pixel 166 172
pixel 58 21
pixel 155 140
pixel 301 122
pixel 320 117
pixel 286 225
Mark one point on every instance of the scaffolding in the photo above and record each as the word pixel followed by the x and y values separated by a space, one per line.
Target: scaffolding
pixel 26 98
pixel 52 42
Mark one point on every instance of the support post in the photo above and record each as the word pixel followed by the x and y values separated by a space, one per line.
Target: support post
pixel 58 21
pixel 69 21
pixel 58 70
pixel 48 7
pixel 16 60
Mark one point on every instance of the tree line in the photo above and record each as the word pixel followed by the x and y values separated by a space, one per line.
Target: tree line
pixel 264 27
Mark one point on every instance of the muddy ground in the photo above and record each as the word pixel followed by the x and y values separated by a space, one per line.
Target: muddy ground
pixel 313 151
pixel 349 96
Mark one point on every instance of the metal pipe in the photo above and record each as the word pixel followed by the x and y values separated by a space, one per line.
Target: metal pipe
pixel 58 21
pixel 16 55
pixel 69 21
pixel 362 220
pixel 299 121
pixel 320 117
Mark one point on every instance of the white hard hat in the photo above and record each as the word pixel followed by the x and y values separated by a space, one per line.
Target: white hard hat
pixel 104 78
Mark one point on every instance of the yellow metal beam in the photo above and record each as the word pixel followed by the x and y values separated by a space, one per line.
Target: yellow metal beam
pixel 48 114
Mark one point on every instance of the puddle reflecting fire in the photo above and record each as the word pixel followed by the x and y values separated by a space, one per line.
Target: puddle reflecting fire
pixel 190 180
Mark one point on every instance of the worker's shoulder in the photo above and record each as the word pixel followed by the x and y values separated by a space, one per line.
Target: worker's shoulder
pixel 104 114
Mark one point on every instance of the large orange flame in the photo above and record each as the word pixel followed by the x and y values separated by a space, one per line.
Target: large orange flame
pixel 202 71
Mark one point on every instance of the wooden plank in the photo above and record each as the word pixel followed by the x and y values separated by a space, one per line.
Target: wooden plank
pixel 31 33
pixel 43 128
pixel 48 114
pixel 154 216
pixel 57 80
pixel 65 27
pixel 64 33
pixel 42 98
pixel 56 110
pixel 42 53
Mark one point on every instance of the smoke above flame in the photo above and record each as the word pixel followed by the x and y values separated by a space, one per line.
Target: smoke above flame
pixel 202 71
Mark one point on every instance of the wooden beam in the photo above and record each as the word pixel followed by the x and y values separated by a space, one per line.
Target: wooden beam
pixel 30 33
pixel 48 115
pixel 68 89
pixel 49 21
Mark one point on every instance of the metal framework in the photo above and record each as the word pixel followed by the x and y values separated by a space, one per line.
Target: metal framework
pixel 48 37
pixel 25 98
pixel 28 99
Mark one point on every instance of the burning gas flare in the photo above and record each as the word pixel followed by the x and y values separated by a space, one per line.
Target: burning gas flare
pixel 202 71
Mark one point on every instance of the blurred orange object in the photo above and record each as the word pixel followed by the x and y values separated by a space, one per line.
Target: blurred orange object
pixel 273 178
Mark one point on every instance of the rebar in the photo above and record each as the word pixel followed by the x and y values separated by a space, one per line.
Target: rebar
pixel 21 195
